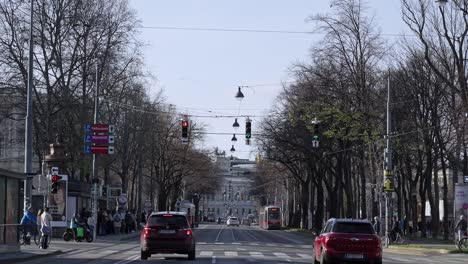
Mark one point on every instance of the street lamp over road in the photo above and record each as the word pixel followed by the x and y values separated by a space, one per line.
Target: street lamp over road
pixel 239 94
pixel 441 3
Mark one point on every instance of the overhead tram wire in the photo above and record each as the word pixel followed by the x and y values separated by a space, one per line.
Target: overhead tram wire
pixel 243 30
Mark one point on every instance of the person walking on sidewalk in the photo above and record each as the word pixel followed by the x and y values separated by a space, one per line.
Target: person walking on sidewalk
pixel 461 227
pixel 117 223
pixel 46 227
pixel 377 225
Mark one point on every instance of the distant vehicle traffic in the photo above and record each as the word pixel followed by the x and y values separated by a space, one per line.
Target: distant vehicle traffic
pixel 232 221
pixel 210 217
pixel 188 208
pixel 167 232
pixel 270 217
pixel 347 240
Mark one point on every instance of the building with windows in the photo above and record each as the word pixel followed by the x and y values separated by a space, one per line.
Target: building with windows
pixel 234 198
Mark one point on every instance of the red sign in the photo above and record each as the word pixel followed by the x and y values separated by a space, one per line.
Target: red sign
pixel 99 149
pixel 99 128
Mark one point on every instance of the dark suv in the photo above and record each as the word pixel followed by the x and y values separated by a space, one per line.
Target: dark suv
pixel 167 232
pixel 347 240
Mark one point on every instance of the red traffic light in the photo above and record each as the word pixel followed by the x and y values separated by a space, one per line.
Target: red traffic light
pixel 184 123
pixel 56 178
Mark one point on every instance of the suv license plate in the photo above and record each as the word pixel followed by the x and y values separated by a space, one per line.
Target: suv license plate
pixel 167 232
pixel 354 256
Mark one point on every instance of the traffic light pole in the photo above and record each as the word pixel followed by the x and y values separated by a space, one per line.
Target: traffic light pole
pixel 95 161
pixel 28 150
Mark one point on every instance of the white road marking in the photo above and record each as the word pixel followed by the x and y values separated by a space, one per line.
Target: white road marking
pixel 202 243
pixel 213 260
pixel 236 243
pixel 254 244
pixel 230 253
pixel 219 233
pixel 206 253
pixel 219 243
pixel 280 255
pixel 128 260
pixel 305 256
pixel 256 254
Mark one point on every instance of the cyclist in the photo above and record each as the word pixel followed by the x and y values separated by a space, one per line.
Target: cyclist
pixel 461 227
pixel 28 222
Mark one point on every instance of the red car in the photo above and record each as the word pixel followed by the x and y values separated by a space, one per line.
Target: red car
pixel 167 232
pixel 347 240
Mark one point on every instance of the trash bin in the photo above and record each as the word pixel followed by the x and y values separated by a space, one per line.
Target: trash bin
pixel 80 232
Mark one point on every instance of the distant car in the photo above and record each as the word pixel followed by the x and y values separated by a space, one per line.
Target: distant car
pixel 232 221
pixel 167 232
pixel 347 240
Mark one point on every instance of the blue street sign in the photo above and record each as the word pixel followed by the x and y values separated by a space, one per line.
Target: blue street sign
pixel 88 138
pixel 87 127
pixel 87 149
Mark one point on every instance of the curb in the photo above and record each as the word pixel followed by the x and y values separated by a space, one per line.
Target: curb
pixel 417 251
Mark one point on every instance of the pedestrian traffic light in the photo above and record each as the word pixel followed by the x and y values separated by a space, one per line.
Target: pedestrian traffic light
pixel 55 183
pixel 248 129
pixel 185 125
pixel 316 133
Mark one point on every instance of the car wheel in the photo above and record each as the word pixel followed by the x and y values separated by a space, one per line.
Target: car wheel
pixel 144 255
pixel 191 255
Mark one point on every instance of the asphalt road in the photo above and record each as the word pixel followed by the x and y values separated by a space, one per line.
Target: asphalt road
pixel 220 244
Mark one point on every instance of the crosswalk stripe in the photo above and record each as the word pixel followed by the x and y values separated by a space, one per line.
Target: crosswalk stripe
pixel 236 243
pixel 206 253
pixel 305 256
pixel 219 243
pixel 230 253
pixel 202 243
pixel 280 255
pixel 256 254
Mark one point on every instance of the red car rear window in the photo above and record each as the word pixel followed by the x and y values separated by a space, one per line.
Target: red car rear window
pixel 353 228
pixel 164 220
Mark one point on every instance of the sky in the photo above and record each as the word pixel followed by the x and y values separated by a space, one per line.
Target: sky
pixel 199 71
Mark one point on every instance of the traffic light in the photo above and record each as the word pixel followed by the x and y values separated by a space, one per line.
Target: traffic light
pixel 55 183
pixel 248 129
pixel 185 125
pixel 316 134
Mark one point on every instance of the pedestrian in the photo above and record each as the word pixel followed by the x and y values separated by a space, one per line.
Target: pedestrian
pixel 91 223
pixel 46 227
pixel 109 222
pixel 395 228
pixel 117 223
pixel 39 222
pixel 103 222
pixel 461 227
pixel 377 225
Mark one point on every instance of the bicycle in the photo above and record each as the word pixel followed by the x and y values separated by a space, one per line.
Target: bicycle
pixel 26 237
pixel 387 240
pixel 462 243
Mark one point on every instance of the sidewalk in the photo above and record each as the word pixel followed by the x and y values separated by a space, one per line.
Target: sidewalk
pixel 59 247
pixel 424 247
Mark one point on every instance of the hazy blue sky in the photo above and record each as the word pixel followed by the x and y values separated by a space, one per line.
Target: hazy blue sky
pixel 200 70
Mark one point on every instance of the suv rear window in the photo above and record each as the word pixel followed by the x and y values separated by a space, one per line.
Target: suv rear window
pixel 353 228
pixel 234 218
pixel 171 220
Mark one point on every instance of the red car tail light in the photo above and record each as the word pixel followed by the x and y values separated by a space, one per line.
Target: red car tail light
pixel 146 232
pixel 189 232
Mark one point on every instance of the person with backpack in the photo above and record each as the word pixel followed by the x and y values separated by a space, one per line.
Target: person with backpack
pixel 117 223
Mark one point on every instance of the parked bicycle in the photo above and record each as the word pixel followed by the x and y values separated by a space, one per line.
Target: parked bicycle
pixel 398 240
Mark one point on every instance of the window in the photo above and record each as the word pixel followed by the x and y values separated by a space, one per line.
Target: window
pixel 353 228
pixel 2 145
pixel 168 220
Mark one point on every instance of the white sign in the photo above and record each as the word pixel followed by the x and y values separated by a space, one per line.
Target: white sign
pixel 54 171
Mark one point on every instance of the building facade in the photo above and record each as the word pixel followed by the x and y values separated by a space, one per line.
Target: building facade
pixel 234 198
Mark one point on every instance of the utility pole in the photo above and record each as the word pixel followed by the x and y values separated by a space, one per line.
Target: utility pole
pixel 95 161
pixel 28 151
pixel 389 184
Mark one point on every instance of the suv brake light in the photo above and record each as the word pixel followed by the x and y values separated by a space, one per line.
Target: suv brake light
pixel 189 232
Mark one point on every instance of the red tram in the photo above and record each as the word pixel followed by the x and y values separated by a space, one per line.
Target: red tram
pixel 270 217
